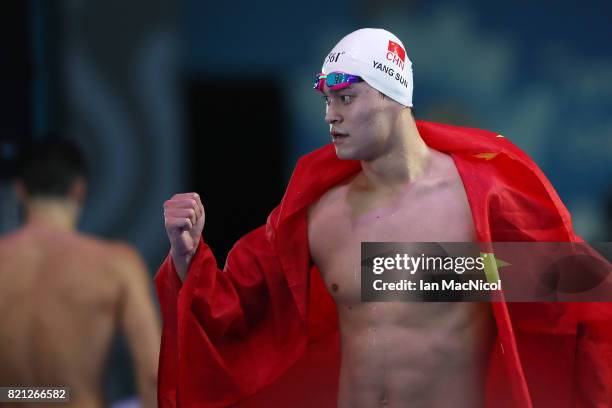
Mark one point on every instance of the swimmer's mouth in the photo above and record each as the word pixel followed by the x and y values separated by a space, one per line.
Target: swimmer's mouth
pixel 337 135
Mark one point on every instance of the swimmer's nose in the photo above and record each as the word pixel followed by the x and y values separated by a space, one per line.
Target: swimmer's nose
pixel 332 116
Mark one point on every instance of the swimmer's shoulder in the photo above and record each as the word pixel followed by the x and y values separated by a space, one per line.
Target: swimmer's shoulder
pixel 127 263
pixel 9 240
pixel 17 245
pixel 112 263
pixel 118 255
pixel 333 196
pixel 124 253
pixel 112 258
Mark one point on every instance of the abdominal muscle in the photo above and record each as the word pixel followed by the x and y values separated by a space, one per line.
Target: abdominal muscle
pixel 414 354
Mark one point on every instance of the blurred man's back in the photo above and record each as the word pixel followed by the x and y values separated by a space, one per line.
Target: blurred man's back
pixel 63 295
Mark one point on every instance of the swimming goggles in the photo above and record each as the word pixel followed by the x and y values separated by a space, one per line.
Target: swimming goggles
pixel 335 80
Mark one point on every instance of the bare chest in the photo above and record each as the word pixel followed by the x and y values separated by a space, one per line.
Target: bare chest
pixel 454 338
pixel 339 223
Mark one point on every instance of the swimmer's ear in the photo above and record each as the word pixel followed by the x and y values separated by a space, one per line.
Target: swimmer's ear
pixel 20 191
pixel 78 190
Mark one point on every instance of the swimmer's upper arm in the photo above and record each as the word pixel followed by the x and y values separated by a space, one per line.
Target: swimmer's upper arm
pixel 139 320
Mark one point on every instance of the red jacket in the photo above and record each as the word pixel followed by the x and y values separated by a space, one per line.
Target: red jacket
pixel 234 336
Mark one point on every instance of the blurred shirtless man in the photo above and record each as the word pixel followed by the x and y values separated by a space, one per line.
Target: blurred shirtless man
pixel 63 294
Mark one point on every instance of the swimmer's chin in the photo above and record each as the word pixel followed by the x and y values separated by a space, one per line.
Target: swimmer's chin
pixel 343 154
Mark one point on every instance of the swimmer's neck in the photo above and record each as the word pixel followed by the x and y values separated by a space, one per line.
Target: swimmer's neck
pixel 61 214
pixel 405 159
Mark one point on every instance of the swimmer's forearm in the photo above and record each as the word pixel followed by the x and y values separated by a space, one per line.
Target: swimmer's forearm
pixel 181 264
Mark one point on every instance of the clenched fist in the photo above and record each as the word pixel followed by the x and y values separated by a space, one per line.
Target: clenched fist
pixel 184 222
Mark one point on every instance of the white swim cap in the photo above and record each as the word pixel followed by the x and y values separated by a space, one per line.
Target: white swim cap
pixel 378 57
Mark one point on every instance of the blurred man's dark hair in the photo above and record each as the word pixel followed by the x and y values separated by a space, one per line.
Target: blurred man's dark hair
pixel 50 168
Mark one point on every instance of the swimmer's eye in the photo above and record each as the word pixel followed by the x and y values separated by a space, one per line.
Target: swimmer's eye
pixel 344 99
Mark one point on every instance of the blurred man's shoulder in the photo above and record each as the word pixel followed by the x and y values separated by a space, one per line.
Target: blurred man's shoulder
pixel 118 254
pixel 70 245
pixel 114 262
pixel 124 253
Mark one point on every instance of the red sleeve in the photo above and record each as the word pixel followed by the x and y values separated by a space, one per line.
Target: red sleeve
pixel 226 334
pixel 168 285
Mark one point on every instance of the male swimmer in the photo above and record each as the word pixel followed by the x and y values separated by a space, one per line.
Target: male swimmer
pixel 386 178
pixel 64 294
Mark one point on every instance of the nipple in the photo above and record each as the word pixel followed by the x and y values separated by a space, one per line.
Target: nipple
pixel 334 287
